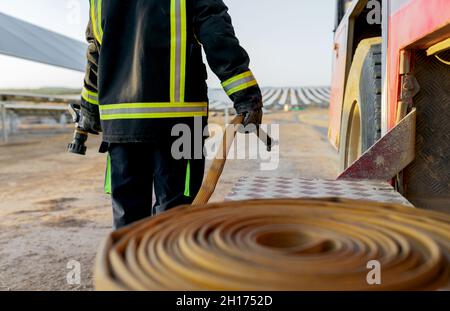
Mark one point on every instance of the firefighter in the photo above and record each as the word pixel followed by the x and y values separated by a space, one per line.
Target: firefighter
pixel 145 75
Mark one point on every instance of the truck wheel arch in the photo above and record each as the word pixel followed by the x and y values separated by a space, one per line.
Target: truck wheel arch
pixel 362 103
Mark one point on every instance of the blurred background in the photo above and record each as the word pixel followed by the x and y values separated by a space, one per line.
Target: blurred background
pixel 289 47
pixel 289 42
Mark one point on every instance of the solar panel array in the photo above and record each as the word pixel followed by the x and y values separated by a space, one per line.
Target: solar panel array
pixel 279 98
pixel 24 40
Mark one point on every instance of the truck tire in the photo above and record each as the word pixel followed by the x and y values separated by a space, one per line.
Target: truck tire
pixel 361 113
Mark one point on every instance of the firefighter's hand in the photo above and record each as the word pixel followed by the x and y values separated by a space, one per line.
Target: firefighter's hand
pixel 91 126
pixel 252 120
pixel 90 120
pixel 250 107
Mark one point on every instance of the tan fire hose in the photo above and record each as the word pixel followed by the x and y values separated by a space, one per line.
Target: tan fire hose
pixel 216 169
pixel 326 244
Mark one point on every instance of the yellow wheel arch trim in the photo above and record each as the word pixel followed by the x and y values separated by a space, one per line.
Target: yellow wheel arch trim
pixel 442 60
pixel 439 47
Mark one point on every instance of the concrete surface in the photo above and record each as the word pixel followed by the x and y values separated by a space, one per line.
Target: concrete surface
pixel 53 210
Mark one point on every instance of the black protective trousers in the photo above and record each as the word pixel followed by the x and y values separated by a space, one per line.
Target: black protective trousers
pixel 138 168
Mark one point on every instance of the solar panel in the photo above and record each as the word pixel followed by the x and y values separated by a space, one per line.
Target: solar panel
pixel 24 40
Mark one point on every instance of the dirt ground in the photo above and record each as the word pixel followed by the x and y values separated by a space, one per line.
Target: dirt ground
pixel 53 210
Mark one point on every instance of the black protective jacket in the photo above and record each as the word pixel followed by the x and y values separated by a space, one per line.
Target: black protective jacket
pixel 145 71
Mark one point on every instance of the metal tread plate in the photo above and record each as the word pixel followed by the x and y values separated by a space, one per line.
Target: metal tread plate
pixel 427 179
pixel 280 188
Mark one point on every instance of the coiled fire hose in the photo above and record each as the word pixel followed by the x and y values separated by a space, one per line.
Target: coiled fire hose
pixel 288 244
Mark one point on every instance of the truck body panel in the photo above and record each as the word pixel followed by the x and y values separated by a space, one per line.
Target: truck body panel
pixel 431 24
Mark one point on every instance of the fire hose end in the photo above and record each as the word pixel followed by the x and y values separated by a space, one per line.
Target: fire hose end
pixel 78 145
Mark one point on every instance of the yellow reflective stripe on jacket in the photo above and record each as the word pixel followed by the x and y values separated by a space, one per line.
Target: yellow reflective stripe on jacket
pixel 239 83
pixel 153 110
pixel 89 96
pixel 96 19
pixel 153 116
pixel 178 43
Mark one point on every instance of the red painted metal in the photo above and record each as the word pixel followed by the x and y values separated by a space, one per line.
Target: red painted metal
pixel 389 156
pixel 414 21
pixel 337 84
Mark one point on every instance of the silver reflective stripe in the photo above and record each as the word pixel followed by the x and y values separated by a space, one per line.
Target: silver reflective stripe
pixel 178 50
pixel 239 83
pixel 90 97
pixel 153 110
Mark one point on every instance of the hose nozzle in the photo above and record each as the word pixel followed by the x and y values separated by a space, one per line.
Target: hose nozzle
pixel 78 145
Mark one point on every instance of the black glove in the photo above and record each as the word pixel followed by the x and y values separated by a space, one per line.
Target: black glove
pixel 252 121
pixel 90 119
pixel 252 112
pixel 253 117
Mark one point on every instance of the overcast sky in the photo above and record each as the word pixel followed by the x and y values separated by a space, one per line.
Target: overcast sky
pixel 289 41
